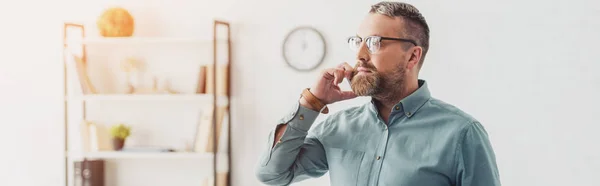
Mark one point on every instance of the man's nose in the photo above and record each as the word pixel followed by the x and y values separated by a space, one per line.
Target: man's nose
pixel 362 53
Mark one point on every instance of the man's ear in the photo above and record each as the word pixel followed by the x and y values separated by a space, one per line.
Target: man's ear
pixel 414 57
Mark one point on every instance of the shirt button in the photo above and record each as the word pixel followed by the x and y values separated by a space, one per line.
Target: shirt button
pixel 378 157
pixel 397 107
pixel 301 117
pixel 408 113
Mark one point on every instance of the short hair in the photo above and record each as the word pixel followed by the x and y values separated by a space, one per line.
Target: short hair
pixel 415 25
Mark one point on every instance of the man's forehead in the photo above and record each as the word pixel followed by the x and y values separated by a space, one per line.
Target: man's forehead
pixel 381 25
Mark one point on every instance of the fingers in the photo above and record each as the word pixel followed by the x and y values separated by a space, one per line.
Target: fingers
pixel 328 74
pixel 328 84
pixel 345 66
pixel 337 74
pixel 343 70
pixel 348 95
pixel 348 70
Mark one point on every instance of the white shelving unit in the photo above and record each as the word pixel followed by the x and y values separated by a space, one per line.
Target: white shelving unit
pixel 143 155
pixel 215 100
pixel 197 98
pixel 149 40
pixel 144 40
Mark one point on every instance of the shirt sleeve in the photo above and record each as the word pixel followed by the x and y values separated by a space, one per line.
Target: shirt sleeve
pixel 476 159
pixel 298 155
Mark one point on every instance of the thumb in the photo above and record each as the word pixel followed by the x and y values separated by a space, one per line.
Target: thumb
pixel 348 95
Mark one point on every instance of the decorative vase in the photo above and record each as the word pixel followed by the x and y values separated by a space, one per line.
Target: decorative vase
pixel 116 22
pixel 118 143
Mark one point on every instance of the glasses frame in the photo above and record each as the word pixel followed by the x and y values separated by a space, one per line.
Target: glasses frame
pixel 381 39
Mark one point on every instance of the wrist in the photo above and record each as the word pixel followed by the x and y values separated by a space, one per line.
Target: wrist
pixel 308 100
pixel 307 105
pixel 316 96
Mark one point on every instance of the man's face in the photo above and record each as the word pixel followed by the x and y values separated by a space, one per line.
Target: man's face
pixel 377 73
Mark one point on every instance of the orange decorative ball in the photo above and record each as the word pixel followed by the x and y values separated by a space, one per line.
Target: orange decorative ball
pixel 116 22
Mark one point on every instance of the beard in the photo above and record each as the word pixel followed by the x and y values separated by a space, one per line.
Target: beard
pixel 377 84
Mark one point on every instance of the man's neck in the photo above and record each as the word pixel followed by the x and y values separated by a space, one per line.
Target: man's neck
pixel 386 101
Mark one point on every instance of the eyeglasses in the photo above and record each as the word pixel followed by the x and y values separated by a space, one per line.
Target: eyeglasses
pixel 373 42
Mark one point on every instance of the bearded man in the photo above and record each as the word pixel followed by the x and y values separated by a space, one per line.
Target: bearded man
pixel 402 137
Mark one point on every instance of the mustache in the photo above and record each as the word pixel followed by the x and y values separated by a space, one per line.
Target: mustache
pixel 369 66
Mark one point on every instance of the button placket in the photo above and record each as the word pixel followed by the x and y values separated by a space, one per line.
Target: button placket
pixel 379 155
pixel 396 112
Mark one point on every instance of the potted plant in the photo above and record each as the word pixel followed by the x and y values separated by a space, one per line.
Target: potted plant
pixel 119 133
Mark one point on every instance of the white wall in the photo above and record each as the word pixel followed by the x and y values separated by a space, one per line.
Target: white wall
pixel 525 69
pixel 30 113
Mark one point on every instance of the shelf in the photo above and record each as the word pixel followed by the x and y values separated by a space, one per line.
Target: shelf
pixel 148 40
pixel 149 97
pixel 134 162
pixel 144 155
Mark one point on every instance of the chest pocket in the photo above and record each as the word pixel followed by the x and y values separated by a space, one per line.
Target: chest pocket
pixel 344 166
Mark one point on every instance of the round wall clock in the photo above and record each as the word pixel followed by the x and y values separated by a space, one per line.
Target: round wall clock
pixel 304 48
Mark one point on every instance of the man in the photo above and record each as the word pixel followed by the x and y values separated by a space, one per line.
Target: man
pixel 403 137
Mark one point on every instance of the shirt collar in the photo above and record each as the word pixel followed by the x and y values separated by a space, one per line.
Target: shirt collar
pixel 413 102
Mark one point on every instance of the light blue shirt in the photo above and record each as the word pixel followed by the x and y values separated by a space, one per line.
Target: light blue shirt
pixel 427 143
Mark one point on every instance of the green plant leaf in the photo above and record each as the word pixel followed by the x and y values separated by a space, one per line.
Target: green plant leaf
pixel 120 131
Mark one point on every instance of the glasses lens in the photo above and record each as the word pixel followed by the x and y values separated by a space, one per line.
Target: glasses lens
pixel 373 43
pixel 354 43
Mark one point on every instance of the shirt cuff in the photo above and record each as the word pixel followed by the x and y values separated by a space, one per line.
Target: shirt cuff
pixel 300 117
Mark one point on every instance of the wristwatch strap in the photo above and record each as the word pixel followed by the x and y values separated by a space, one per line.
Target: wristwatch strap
pixel 314 101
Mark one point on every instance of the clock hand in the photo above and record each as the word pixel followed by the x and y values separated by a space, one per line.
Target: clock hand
pixel 303 45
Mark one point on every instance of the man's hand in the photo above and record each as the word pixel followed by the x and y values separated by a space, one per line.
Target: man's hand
pixel 327 89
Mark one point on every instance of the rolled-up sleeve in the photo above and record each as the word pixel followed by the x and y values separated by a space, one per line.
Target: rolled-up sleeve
pixel 476 159
pixel 298 155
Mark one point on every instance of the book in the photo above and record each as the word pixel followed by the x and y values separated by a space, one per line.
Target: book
pixel 89 173
pixel 201 83
pixel 222 74
pixel 203 139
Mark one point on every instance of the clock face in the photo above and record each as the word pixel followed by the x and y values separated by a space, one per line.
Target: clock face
pixel 304 48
